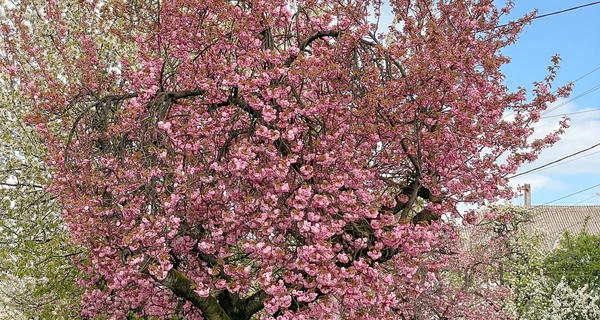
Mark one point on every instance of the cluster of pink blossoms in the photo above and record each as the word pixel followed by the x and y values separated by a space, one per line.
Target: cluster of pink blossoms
pixel 234 159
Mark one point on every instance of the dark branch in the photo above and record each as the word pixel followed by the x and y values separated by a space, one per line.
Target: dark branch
pixel 307 42
pixel 254 303
pixel 175 95
pixel 316 36
pixel 183 287
pixel 20 185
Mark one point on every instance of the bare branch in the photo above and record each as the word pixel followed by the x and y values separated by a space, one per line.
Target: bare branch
pixel 316 36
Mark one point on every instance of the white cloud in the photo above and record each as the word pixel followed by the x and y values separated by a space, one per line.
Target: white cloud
pixel 539 182
pixel 583 133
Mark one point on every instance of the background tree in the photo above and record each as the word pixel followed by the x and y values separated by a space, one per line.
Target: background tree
pixel 510 250
pixel 576 261
pixel 38 272
pixel 232 159
pixel 37 276
pixel 576 304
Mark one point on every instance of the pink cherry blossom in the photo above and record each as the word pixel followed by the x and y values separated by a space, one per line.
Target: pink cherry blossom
pixel 275 159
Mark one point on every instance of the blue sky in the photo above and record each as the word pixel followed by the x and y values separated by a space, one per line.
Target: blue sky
pixel 575 35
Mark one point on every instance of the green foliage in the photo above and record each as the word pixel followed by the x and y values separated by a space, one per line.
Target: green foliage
pixel 559 285
pixel 577 260
pixel 36 272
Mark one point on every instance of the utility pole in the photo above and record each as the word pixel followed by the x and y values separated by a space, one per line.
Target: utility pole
pixel 527 189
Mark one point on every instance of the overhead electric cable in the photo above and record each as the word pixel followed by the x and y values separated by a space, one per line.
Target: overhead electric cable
pixel 562 104
pixel 554 13
pixel 559 164
pixel 569 195
pixel 569 207
pixel 585 75
pixel 555 161
pixel 570 113
pixel 566 10
pixel 570 100
pixel 566 207
pixel 557 12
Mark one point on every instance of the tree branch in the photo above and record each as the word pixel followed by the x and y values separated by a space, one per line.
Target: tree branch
pixel 183 287
pixel 175 95
pixel 254 303
pixel 18 185
pixel 316 36
pixel 304 44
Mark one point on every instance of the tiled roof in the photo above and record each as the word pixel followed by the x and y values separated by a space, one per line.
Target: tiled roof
pixel 555 220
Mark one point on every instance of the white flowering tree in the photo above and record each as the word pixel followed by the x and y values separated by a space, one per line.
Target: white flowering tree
pixel 569 304
pixel 36 270
pixel 555 286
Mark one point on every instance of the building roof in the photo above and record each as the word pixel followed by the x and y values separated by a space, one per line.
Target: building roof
pixel 553 221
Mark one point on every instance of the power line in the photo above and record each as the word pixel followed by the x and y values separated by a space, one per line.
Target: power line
pixel 569 195
pixel 552 214
pixel 559 164
pixel 557 12
pixel 555 161
pixel 585 75
pixel 570 113
pixel 551 14
pixel 569 207
pixel 572 99
pixel 575 223
pixel 566 10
